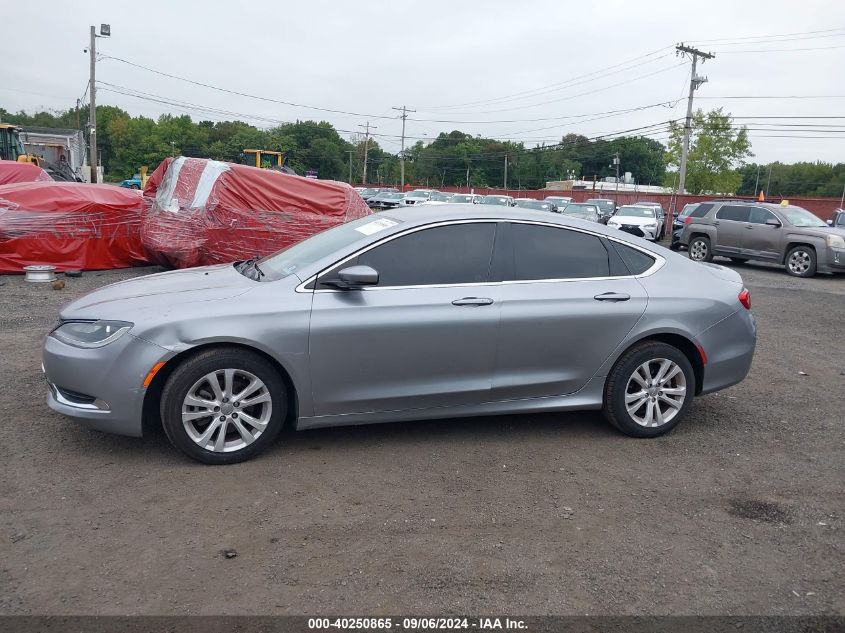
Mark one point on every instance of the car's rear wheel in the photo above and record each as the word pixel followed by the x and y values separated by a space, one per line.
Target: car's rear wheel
pixel 649 390
pixel 699 249
pixel 801 261
pixel 224 405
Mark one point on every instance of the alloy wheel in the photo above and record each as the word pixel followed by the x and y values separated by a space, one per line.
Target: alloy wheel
pixel 698 250
pixel 226 410
pixel 655 392
pixel 799 262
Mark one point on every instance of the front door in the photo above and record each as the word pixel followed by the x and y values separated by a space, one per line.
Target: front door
pixel 731 222
pixel 762 240
pixel 566 305
pixel 425 336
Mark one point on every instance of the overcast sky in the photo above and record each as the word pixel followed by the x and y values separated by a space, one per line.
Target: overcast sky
pixel 501 65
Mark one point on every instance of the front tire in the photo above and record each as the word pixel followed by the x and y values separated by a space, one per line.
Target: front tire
pixel 649 390
pixel 801 261
pixel 699 249
pixel 224 405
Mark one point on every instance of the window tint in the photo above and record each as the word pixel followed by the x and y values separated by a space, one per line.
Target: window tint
pixel 760 216
pixel 731 212
pixel 543 252
pixel 636 261
pixel 702 210
pixel 454 254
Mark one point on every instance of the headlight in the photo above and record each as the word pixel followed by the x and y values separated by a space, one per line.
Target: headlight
pixel 835 241
pixel 653 225
pixel 91 334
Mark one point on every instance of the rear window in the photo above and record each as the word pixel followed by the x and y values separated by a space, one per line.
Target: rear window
pixel 636 261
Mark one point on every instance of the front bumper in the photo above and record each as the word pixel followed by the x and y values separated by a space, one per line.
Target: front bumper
pixel 729 345
pixel 639 231
pixel 833 262
pixel 101 388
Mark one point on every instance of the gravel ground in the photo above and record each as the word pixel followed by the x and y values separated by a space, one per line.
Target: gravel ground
pixel 738 511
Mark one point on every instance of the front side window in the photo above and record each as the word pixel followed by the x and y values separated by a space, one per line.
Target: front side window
pixel 453 254
pixel 545 252
pixel 733 213
pixel 760 216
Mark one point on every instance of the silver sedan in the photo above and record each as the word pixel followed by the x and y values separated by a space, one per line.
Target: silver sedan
pixel 430 312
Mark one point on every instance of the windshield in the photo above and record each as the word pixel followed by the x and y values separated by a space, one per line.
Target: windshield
pixel 495 200
pixel 418 194
pixel 460 198
pixel 534 204
pixel 602 204
pixel 442 197
pixel 298 256
pixel 797 216
pixel 580 208
pixel 555 200
pixel 636 212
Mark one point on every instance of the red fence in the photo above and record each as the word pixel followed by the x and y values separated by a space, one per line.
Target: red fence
pixel 822 207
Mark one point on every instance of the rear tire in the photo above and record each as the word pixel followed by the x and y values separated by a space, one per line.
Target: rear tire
pixel 649 390
pixel 699 249
pixel 801 261
pixel 224 405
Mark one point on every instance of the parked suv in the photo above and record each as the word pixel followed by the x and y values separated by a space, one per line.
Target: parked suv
pixel 783 234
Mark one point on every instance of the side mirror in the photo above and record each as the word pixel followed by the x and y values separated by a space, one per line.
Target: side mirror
pixel 354 277
pixel 830 222
pixel 773 222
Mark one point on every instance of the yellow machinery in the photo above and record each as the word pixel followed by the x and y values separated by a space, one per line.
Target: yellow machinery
pixel 264 158
pixel 11 147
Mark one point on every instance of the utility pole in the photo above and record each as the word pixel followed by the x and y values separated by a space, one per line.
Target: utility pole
pixel 350 152
pixel 105 31
pixel 616 164
pixel 404 110
pixel 506 173
pixel 694 83
pixel 366 143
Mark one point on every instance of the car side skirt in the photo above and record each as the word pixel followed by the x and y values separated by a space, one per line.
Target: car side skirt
pixel 590 396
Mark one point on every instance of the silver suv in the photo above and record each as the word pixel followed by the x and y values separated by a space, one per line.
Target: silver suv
pixel 783 234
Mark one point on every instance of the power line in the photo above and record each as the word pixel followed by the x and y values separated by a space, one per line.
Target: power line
pixel 782 50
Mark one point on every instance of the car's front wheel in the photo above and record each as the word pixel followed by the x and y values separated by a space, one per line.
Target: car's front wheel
pixel 223 405
pixel 801 261
pixel 649 390
pixel 699 249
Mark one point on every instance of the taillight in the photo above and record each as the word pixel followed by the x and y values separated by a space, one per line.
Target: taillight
pixel 688 219
pixel 745 298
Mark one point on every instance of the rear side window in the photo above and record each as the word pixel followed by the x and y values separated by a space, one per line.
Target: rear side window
pixel 636 261
pixel 701 210
pixel 454 254
pixel 732 212
pixel 544 252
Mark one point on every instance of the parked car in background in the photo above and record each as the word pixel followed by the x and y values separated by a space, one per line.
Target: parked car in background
pixel 636 220
pixel 661 216
pixel 782 234
pixel 531 203
pixel 371 309
pixel 132 183
pixel 439 196
pixel 581 210
pixel 606 208
pixel 368 193
pixel 678 225
pixel 559 201
pixel 385 200
pixel 505 200
pixel 838 219
pixel 416 196
pixel 466 198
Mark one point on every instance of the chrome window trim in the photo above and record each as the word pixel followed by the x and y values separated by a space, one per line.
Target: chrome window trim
pixel 659 260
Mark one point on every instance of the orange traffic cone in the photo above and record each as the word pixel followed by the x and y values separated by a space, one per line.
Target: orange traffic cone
pixel 762 197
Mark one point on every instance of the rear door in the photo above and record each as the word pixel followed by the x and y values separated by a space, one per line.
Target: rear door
pixel 425 336
pixel 762 240
pixel 731 222
pixel 567 303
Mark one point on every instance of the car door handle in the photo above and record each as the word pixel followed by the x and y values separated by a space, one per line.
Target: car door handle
pixel 472 301
pixel 612 296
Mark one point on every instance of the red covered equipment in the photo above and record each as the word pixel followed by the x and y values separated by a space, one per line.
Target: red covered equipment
pixel 200 211
pixel 11 172
pixel 70 226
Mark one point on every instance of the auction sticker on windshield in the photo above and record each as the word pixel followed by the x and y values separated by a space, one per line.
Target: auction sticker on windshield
pixel 376 225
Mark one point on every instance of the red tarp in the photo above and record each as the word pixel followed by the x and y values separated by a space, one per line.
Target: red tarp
pixel 200 211
pixel 70 226
pixel 11 172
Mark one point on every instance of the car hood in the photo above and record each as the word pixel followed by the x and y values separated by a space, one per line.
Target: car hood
pixel 160 292
pixel 632 220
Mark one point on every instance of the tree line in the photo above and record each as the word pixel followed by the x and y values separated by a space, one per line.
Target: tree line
pixel 717 159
